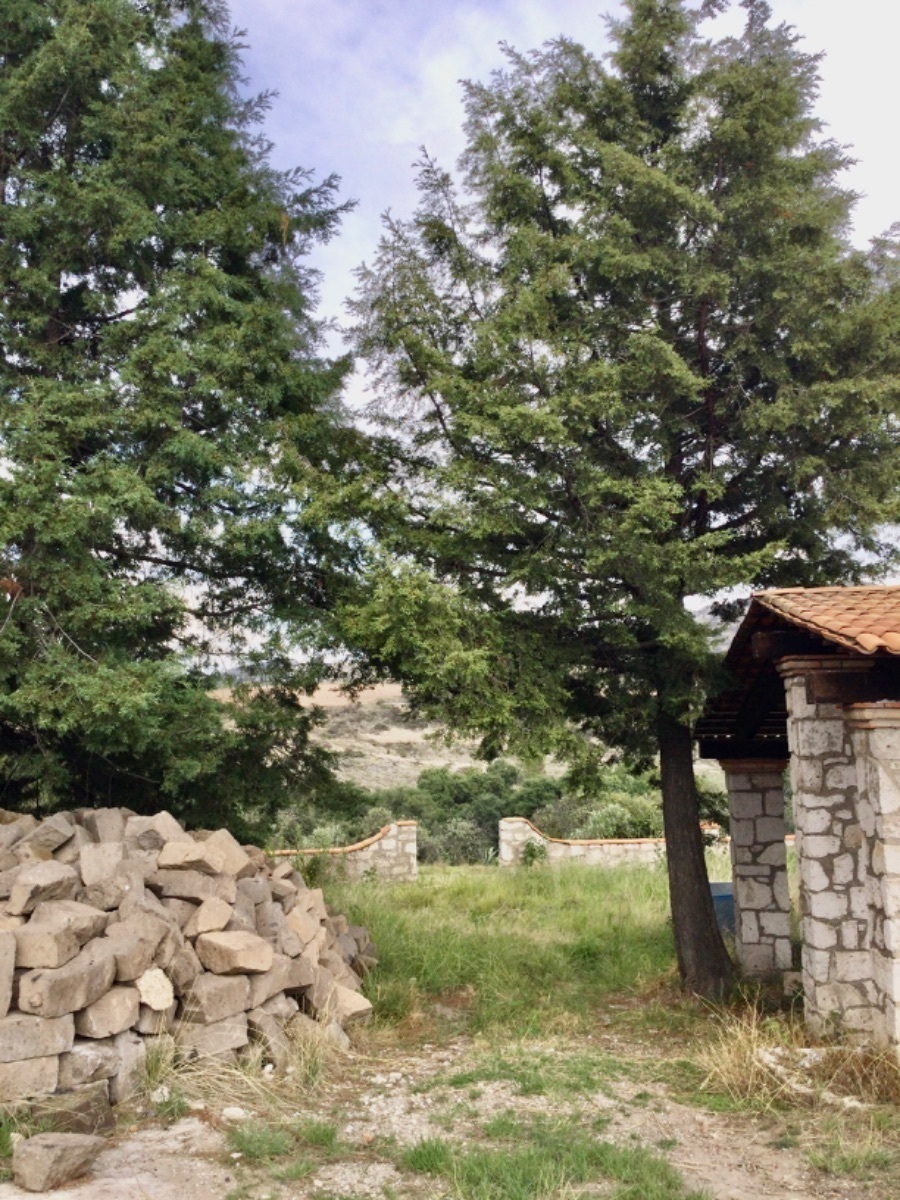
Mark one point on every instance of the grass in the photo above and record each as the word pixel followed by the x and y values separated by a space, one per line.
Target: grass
pixel 535 951
pixel 545 1159
pixel 538 1070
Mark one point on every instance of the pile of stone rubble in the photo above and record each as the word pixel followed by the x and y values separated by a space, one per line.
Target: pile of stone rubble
pixel 119 930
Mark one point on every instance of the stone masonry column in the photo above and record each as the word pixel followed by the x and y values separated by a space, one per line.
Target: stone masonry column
pixel 876 739
pixel 832 851
pixel 762 903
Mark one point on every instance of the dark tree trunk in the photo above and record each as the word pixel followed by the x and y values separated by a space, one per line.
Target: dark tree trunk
pixel 703 960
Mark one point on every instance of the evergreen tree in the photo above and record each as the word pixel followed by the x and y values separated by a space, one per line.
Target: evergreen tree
pixel 630 360
pixel 166 419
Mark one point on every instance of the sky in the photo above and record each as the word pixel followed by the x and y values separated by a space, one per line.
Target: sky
pixel 363 84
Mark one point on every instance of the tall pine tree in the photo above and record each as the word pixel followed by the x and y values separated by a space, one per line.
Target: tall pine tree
pixel 166 419
pixel 630 360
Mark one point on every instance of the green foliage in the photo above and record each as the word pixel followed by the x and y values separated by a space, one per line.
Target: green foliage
pixel 534 854
pixel 166 422
pixel 629 359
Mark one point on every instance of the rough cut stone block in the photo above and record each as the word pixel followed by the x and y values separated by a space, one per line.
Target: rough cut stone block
pixel 215 1040
pixel 237 861
pixel 243 916
pixel 285 893
pixel 51 993
pixel 7 969
pixel 181 910
pixel 99 862
pixel 86 1110
pixel 269 920
pixel 113 1013
pixel 257 891
pixel 191 885
pixel 51 1159
pixel 49 835
pixel 288 943
pixel 23 1036
pixel 111 892
pixel 14 831
pixel 152 833
pixel 303 924
pixel 156 990
pixel 70 852
pixel 212 998
pixel 40 944
pixel 183 969
pixel 87 1062
pixel 153 1023
pixel 8 879
pixel 133 943
pixel 265 1029
pixel 104 824
pixel 28 1078
pixel 132 1051
pixel 196 856
pixel 291 975
pixel 42 881
pixel 85 921
pixel 234 953
pixel 314 903
pixel 211 917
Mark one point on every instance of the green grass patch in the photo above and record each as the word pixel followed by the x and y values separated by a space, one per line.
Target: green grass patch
pixel 544 1160
pixel 539 951
pixel 258 1142
pixel 538 1072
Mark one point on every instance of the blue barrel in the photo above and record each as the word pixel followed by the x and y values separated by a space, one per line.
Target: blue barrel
pixel 723 903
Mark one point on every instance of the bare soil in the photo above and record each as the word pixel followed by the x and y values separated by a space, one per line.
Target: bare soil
pixel 381 1101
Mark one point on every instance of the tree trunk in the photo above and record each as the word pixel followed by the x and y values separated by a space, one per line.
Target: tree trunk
pixel 703 960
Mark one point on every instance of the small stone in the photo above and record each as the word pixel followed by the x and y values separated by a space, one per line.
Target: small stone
pixel 49 1160
pixel 156 990
pixel 234 1113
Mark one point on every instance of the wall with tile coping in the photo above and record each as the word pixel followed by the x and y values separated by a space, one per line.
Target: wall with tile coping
pixel 392 853
pixel 845 780
pixel 517 832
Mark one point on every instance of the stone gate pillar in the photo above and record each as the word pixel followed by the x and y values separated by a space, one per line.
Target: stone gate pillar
pixel 875 730
pixel 832 848
pixel 762 904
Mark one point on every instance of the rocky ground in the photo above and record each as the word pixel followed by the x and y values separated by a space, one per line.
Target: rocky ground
pixel 379 1101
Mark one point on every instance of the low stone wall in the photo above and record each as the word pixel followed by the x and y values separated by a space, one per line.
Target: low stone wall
pixel 390 854
pixel 517 832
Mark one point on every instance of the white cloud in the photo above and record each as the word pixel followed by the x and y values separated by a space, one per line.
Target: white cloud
pixel 363 84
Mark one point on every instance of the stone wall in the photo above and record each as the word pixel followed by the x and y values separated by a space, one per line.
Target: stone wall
pixel 517 832
pixel 875 731
pixel 392 853
pixel 762 902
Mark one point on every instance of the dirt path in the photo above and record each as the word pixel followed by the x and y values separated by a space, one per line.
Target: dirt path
pixel 379 1104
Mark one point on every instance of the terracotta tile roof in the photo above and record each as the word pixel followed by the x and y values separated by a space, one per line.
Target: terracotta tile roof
pixel 864 619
